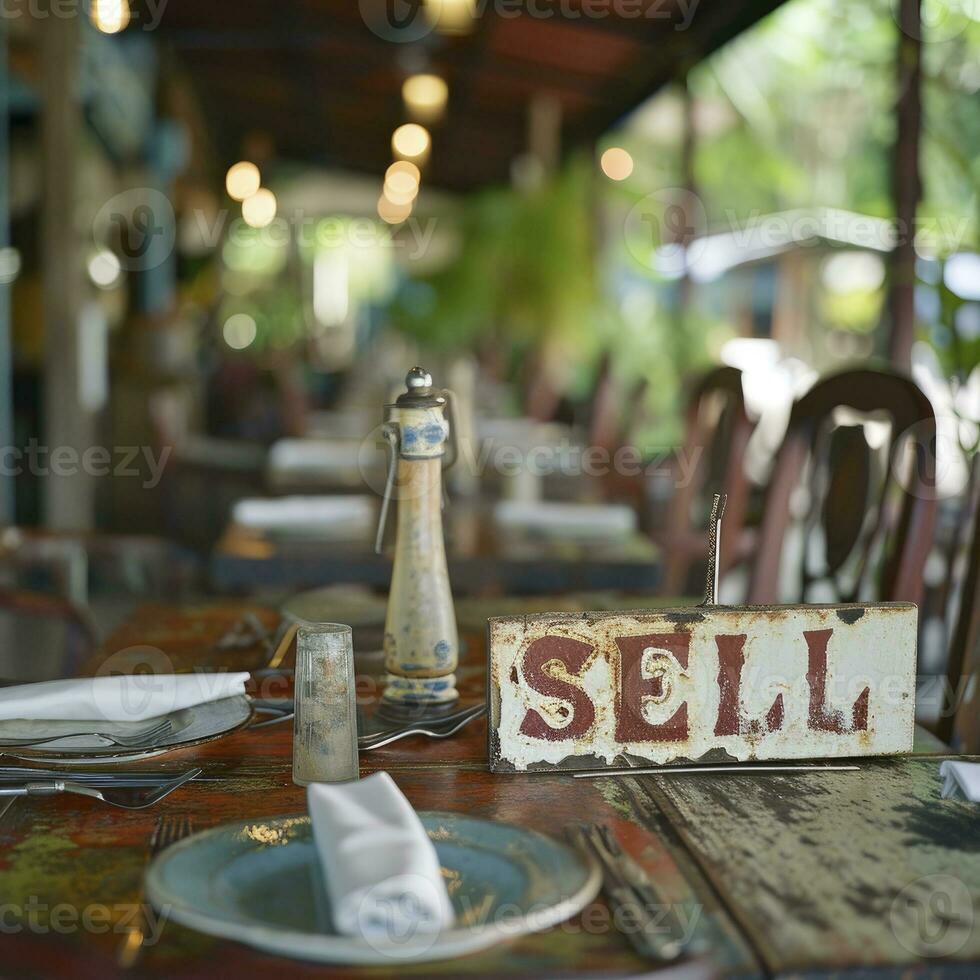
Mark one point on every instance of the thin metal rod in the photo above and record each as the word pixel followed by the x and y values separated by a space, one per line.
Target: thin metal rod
pixel 732 770
pixel 714 548
pixel 390 432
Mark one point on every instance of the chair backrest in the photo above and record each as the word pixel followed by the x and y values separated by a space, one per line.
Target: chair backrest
pixel 960 724
pixel 851 501
pixel 604 408
pixel 717 430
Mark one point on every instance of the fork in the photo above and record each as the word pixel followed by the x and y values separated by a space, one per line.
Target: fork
pixel 430 721
pixel 128 798
pixel 138 740
pixel 93 777
pixel 430 731
pixel 168 830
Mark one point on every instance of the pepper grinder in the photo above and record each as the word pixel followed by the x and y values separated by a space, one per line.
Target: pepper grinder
pixel 421 642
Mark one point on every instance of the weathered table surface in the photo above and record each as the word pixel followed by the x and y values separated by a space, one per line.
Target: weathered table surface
pixel 779 874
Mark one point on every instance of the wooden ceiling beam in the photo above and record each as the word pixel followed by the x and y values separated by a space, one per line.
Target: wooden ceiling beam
pixel 358 52
pixel 336 107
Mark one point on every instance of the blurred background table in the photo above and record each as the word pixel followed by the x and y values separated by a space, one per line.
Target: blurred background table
pixel 482 559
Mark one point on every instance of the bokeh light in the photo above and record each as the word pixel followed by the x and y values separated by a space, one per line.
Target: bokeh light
pixel 259 210
pixel 425 96
pixel 110 16
pixel 391 212
pixel 616 163
pixel 104 269
pixel 451 16
pixel 402 182
pixel 242 180
pixel 239 331
pixel 411 142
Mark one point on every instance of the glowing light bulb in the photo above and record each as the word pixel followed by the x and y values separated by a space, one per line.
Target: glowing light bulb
pixel 391 212
pixel 110 16
pixel 451 16
pixel 425 96
pixel 259 209
pixel 411 142
pixel 242 180
pixel 402 182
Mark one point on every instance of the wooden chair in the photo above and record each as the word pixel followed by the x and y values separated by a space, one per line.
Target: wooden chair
pixel 960 726
pixel 717 430
pixel 57 587
pixel 605 415
pixel 874 540
pixel 27 619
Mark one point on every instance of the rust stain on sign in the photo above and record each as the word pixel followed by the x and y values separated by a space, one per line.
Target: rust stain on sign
pixel 752 682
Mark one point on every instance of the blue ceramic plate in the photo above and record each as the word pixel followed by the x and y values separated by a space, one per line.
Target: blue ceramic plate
pixel 259 882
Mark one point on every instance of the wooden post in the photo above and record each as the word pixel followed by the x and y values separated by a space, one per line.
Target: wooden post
pixel 6 352
pixel 544 131
pixel 906 181
pixel 684 233
pixel 688 151
pixel 69 494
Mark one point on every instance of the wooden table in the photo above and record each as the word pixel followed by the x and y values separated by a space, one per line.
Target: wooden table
pixel 778 874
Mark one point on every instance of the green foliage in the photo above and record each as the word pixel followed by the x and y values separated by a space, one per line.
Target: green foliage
pixel 524 271
pixel 801 111
pixel 858 310
pixel 795 113
pixel 957 350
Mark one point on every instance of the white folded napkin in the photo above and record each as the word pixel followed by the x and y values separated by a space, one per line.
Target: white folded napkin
pixel 961 780
pixel 133 697
pixel 570 520
pixel 380 869
pixel 341 513
pixel 293 456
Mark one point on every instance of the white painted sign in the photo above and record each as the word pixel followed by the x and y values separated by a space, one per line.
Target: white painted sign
pixel 720 683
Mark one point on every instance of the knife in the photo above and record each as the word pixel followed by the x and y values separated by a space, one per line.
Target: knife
pixel 646 933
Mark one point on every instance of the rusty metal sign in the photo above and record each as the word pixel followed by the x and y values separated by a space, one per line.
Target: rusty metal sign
pixel 710 683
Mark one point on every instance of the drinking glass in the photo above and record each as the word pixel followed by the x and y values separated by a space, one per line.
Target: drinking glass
pixel 325 726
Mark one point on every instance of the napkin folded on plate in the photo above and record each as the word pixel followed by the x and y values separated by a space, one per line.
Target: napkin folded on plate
pixel 381 872
pixel 134 697
pixel 961 780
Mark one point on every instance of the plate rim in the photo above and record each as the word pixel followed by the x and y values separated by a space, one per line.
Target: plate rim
pixel 77 758
pixel 355 950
